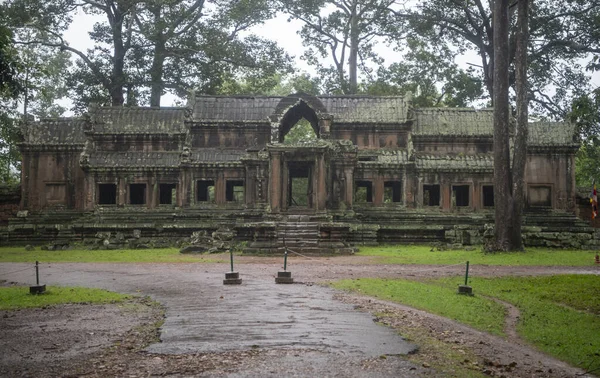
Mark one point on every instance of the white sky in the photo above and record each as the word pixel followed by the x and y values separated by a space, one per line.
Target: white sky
pixel 278 29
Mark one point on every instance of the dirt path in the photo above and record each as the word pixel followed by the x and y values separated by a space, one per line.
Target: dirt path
pixel 274 330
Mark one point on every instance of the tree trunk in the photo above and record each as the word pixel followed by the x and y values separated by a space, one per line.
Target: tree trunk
pixel 502 176
pixel 158 61
pixel 353 59
pixel 520 143
pixel 118 74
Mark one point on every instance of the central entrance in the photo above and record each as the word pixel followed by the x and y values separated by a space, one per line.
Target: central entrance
pixel 300 185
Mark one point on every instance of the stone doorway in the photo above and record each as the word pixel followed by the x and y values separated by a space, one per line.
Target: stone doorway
pixel 300 186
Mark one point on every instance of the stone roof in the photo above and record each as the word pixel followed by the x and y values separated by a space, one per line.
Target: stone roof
pixel 57 131
pixel 138 120
pixel 134 159
pixel 344 109
pixel 216 155
pixel 453 121
pixel 455 163
pixel 552 134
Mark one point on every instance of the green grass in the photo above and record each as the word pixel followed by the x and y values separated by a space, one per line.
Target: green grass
pixel 167 255
pixel 479 312
pixel 12 298
pixel 411 254
pixel 560 315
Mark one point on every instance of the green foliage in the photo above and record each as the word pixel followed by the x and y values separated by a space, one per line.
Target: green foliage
pixel 559 314
pixel 13 298
pixel 10 65
pixel 410 254
pixel 170 255
pixel 476 311
pixel 301 132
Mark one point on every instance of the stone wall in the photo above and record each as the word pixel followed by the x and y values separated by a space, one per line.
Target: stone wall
pixel 10 196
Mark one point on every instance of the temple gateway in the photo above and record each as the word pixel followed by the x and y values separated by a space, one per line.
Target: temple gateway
pixel 378 171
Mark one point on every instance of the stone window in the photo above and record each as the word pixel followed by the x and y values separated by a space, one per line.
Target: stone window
pixel 392 191
pixel 431 195
pixel 363 192
pixel 460 195
pixel 540 195
pixel 167 194
pixel 107 194
pixel 487 192
pixel 137 194
pixel 234 191
pixel 205 190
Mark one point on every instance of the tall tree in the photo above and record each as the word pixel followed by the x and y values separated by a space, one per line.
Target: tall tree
pixel 562 33
pixel 344 31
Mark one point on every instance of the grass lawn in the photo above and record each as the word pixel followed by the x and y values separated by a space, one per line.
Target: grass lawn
pixel 12 298
pixel 559 314
pixel 421 254
pixel 167 255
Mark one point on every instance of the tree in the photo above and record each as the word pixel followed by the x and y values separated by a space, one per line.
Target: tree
pixel 508 181
pixel 562 33
pixel 585 113
pixel 346 34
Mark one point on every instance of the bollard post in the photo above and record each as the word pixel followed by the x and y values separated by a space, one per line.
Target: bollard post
pixel 466 289
pixel 232 278
pixel 37 289
pixel 284 277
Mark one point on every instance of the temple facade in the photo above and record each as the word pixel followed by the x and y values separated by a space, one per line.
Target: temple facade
pixel 379 170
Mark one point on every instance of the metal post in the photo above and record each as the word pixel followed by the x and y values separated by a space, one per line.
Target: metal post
pixel 285 261
pixel 231 258
pixel 467 274
pixel 37 274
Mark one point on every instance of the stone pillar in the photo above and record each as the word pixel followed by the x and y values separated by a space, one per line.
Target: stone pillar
pixel 349 189
pixel 320 187
pixel 153 201
pixel 275 182
pixel 446 194
pixel 122 191
pixel 378 189
pixel 220 189
pixel 324 128
pixel 250 185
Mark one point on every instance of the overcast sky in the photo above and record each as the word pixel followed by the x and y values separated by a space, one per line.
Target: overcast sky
pixel 278 29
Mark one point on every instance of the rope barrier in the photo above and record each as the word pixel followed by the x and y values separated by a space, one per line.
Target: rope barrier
pixel 16 271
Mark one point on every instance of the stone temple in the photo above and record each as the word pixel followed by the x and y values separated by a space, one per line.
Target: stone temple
pixel 379 171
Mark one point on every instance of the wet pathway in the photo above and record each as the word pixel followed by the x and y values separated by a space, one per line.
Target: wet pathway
pixel 203 315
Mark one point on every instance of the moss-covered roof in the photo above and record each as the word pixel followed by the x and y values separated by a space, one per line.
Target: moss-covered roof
pixel 137 120
pixel 58 131
pixel 133 159
pixel 453 121
pixel 552 134
pixel 344 109
pixel 447 163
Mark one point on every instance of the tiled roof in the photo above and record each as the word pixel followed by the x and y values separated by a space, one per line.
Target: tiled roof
pixel 455 163
pixel 552 133
pixel 354 109
pixel 216 155
pixel 134 120
pixel 56 131
pixel 453 121
pixel 134 159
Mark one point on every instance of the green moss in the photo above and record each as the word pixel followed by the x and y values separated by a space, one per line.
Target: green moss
pixel 12 298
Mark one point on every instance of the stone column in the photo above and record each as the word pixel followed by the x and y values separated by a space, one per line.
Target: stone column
pixel 349 189
pixel 220 189
pixel 275 182
pixel 378 188
pixel 446 194
pixel 321 188
pixel 324 128
pixel 122 192
pixel 250 185
pixel 153 201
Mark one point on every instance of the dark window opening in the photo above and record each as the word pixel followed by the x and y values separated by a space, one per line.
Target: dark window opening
pixel 137 194
pixel 540 196
pixel 300 184
pixel 363 192
pixel 107 194
pixel 488 195
pixel 392 191
pixel 367 158
pixel 167 194
pixel 234 191
pixel 461 195
pixel 431 195
pixel 205 191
